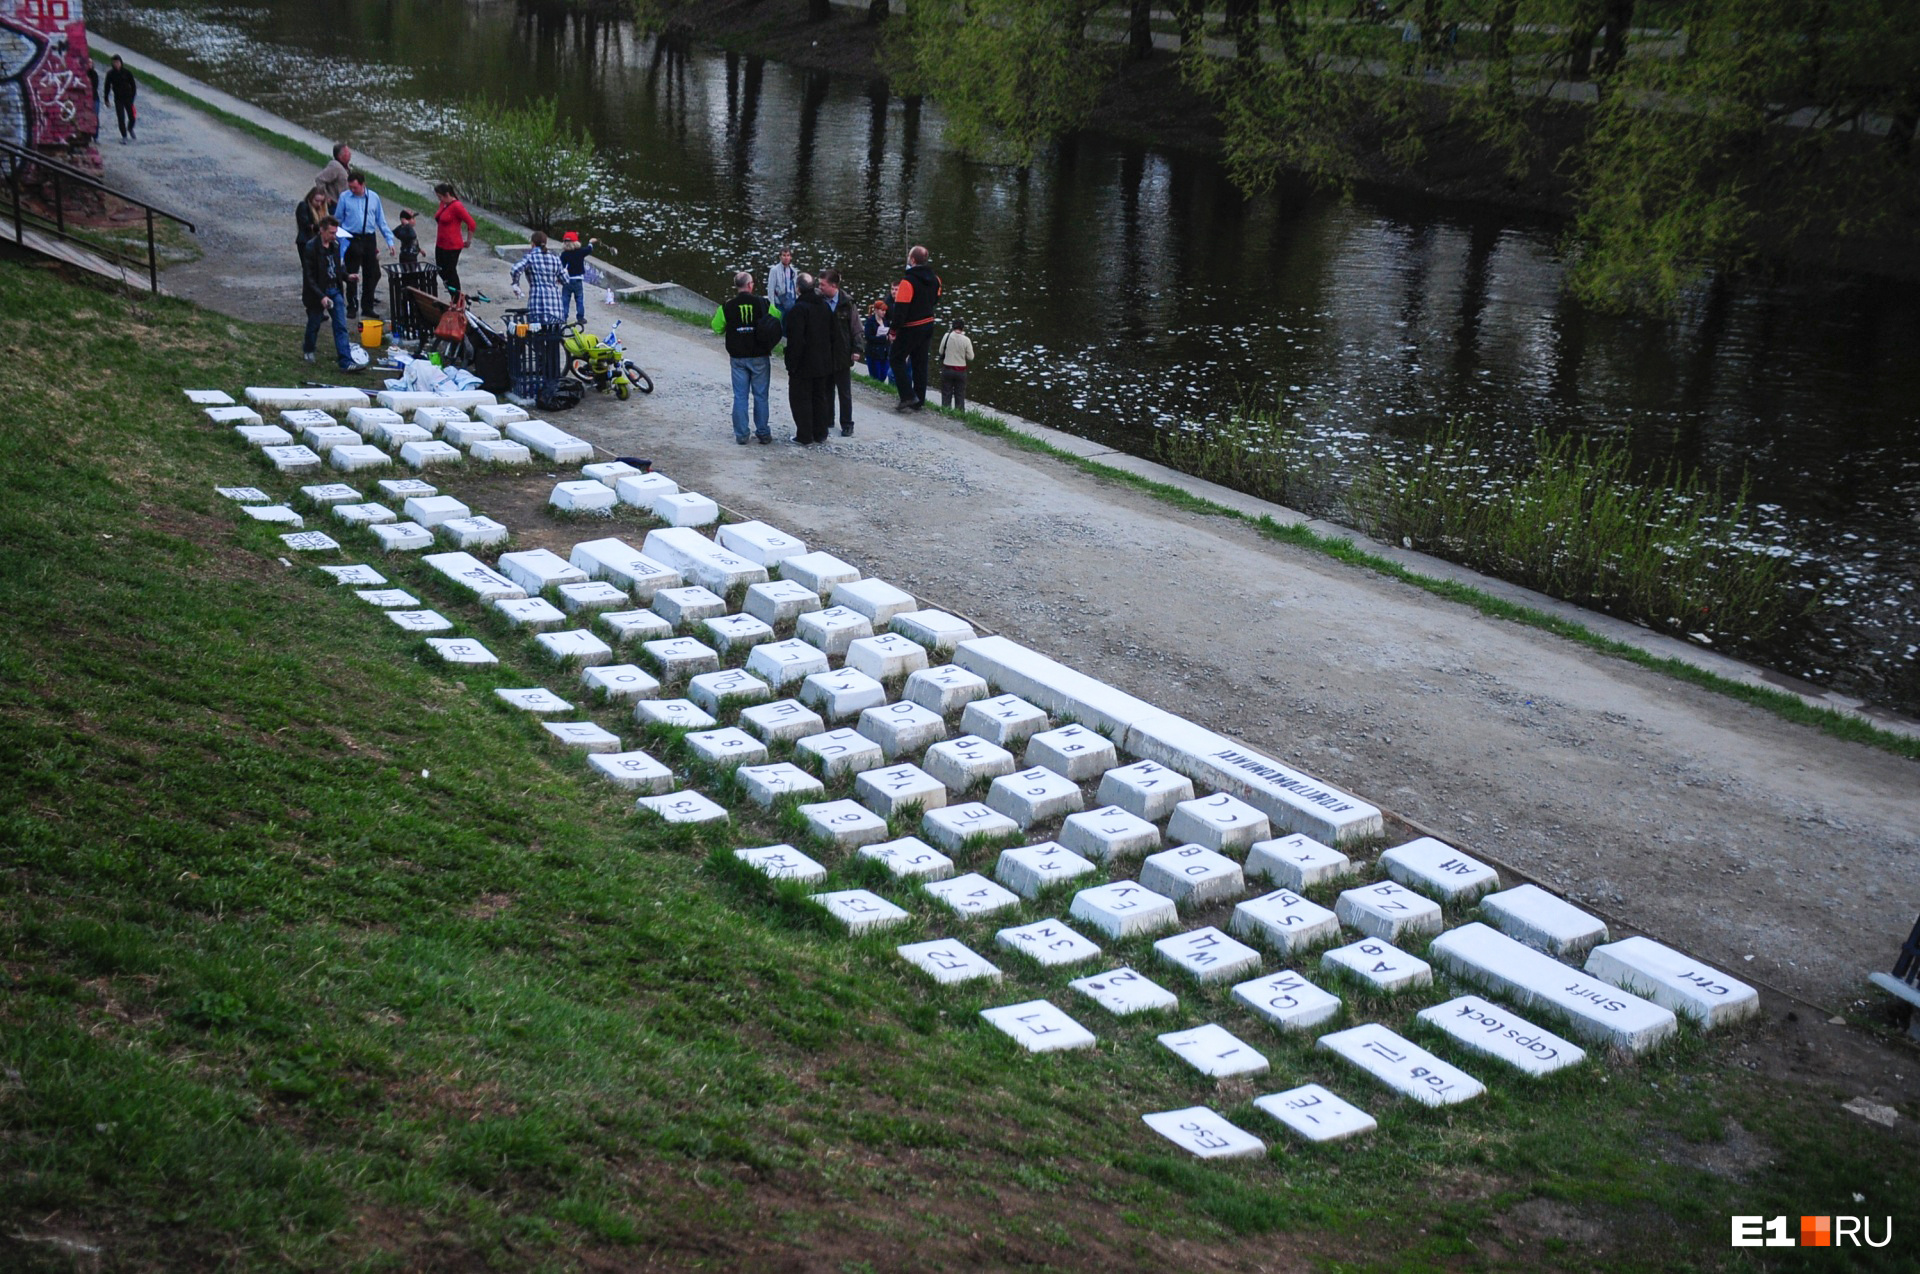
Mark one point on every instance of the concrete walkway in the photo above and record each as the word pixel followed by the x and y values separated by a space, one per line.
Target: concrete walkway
pixel 1768 848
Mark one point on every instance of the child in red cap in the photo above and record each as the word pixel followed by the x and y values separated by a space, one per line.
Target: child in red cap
pixel 574 258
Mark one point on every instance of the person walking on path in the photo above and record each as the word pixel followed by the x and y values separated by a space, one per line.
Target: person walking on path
pixel 846 346
pixel 810 349
pixel 362 215
pixel 914 297
pixel 574 257
pixel 879 347
pixel 307 216
pixel 407 236
pixel 745 322
pixel 956 351
pixel 455 235
pixel 323 283
pixel 333 178
pixel 782 282
pixel 121 90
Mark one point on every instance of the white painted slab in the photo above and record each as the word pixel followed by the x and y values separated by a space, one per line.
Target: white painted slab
pixel 1109 833
pixel 1402 1065
pixel 1014 669
pixel 1215 1052
pixel 536 699
pixel 388 598
pixel 327 494
pixel 461 650
pixel 209 397
pixel 536 570
pixel 357 459
pixel 1388 910
pixel 817 572
pixel 265 436
pixel 275 399
pixel 786 721
pixel 401 537
pixel 619 683
pixel 726 688
pixel 861 910
pixel 435 419
pixel 301 419
pixel 398 434
pixel 408 400
pixel 360 576
pixel 945 690
pixel 635 771
pixel 1205 1135
pixel 474 575
pixel 780 602
pixel 891 790
pixel 1038 1027
pixel 231 416
pixel 366 419
pixel 700 560
pixel 1543 921
pixel 948 962
pixel 1005 720
pixel 324 438
pixel 499 451
pixel 543 439
pixel 276 513
pixel 583 735
pixel 1030 869
pixel 1208 955
pixel 971 895
pixel 1295 862
pixel 841 751
pixel 405 488
pixel 623 566
pixel 536 614
pixel 640 490
pixel 592 595
pixel 1219 821
pixel 689 605
pixel 765 784
pixel 1034 796
pixel 784 663
pixel 1284 921
pixel 782 862
pixel 1378 965
pixel 682 807
pixel 909 858
pixel 583 496
pixel 473 533
pixel 310 542
pixel 1598 1012
pixel 1123 992
pixel 466 435
pixel 629 626
pixel 885 656
pixel 364 514
pixel 832 629
pixel 246 495
pixel 686 508
pixel 934 629
pixel 1674 980
pixel 680 714
pixel 499 415
pixel 966 762
pixel 292 460
pixel 1123 909
pixel 1192 874
pixel 1438 870
pixel 608 472
pixel 842 694
pixel 1145 789
pixel 1315 1114
pixel 681 657
pixel 758 542
pixel 901 729
pixel 1072 751
pixel 726 747
pixel 1049 943
pixel 953 826
pixel 431 510
pixel 876 599
pixel 575 646
pixel 1287 1001
pixel 729 633
pixel 1494 1029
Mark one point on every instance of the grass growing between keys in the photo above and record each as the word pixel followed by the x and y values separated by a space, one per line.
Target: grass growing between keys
pixel 315 955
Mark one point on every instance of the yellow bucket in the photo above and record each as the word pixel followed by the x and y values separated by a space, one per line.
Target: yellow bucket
pixel 373 333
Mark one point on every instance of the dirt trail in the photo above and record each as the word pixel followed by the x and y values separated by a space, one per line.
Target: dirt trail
pixel 1765 847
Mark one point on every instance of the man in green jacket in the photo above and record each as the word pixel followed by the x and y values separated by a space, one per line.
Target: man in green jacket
pixel 740 322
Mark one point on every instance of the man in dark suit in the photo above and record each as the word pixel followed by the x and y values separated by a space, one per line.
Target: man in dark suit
pixel 810 345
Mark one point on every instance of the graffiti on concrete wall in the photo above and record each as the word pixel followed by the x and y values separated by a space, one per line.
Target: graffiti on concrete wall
pixel 46 98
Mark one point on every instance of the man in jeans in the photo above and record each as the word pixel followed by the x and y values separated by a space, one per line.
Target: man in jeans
pixel 362 215
pixel 737 320
pixel 911 317
pixel 324 279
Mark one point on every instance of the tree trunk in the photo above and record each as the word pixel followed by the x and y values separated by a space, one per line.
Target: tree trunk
pixel 1500 48
pixel 876 12
pixel 1286 29
pixel 1191 15
pixel 1613 49
pixel 1584 27
pixel 1140 30
pixel 1243 24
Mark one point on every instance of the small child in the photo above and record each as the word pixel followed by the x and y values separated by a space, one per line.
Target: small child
pixel 956 351
pixel 408 238
pixel 573 258
pixel 879 352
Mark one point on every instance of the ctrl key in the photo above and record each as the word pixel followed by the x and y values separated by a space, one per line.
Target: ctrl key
pixel 1205 1134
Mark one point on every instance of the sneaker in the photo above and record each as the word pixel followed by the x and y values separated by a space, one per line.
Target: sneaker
pixel 766 439
pixel 741 441
pixel 308 356
pixel 351 369
pixel 846 431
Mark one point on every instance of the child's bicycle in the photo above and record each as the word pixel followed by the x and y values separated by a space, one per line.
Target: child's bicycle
pixel 603 363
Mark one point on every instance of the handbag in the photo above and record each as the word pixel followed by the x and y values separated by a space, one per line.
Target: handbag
pixel 453 323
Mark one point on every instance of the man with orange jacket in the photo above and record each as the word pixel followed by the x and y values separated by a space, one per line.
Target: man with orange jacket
pixel 911 316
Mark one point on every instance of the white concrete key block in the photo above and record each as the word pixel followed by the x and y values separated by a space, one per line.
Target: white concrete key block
pixel 473 533
pixel 431 510
pixel 586 496
pixel 833 629
pixel 641 489
pixel 499 451
pixel 729 633
pixel 231 416
pixel 785 663
pixel 779 602
pixel 886 656
pixel 326 494
pixel 839 752
pixel 500 415
pixel 1207 955
pixel 725 688
pixel 1030 869
pixel 465 436
pixel 1145 789
pixel 1295 862
pixel 971 895
pixel 608 472
pixel 1439 870
pixel 1674 980
pixel 624 566
pixel 628 626
pixel 1389 911
pixel 591 596
pixel 296 460
pixel 1493 1029
pixel 1378 965
pixel 765 784
pixel 436 419
pixel 535 699
pixel 349 459
pixel 876 599
pixel 359 576
pixel 901 729
pixel 909 858
pixel 685 607
pixel 966 762
pixel 1287 1001
pixel 270 398
pixel 209 397
pixel 845 824
pixel 1597 1011
pixel 364 514
pixel 681 807
pixel 310 542
pixel 1038 1027
pixel 1543 921
pixel 935 629
pixel 681 657
pixel 1316 1114
pixel 1204 1134
pixel 1123 992
pixel 782 862
pixel 1192 874
pixel 685 509
pixel 952 827
pixel 891 790
pixel 1048 943
pixel 618 683
pixel 1285 921
pixel 432 454
pixel 366 419
pixel 300 419
pixel 276 513
pixel 254 495
pixel 421 621
pixel 1072 751
pixel 266 436
pixel 945 690
pixel 758 542
pixel 474 575
pixel 817 572
pixel 576 647
pixel 1402 1065
pixel 726 747
pixel 1034 796
pixel 1006 720
pixel 861 910
pixel 1215 1052
pixel 405 488
pixel 841 695
pixel 1220 821
pixel 545 440
pixel 635 771
pixel 584 736
pixel 388 598
pixel 397 435
pixel 401 537
pixel 948 962
pixel 1108 833
pixel 324 438
pixel 787 721
pixel 700 560
pixel 1124 908
pixel 536 614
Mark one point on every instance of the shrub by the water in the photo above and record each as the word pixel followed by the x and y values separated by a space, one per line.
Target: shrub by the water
pixel 523 161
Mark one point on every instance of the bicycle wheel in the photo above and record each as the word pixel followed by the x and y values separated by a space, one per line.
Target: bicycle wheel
pixel 641 381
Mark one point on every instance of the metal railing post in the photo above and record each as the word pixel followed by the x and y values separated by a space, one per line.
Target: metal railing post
pixel 153 258
pixel 19 223
pixel 59 204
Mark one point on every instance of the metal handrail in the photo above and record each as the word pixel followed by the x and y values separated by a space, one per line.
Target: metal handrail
pixel 62 174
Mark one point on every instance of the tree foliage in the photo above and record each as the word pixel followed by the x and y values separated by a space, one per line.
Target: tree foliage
pixel 522 161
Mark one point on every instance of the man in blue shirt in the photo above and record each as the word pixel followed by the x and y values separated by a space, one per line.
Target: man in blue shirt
pixel 361 215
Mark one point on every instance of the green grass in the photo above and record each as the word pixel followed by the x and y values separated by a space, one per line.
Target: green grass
pixel 315 956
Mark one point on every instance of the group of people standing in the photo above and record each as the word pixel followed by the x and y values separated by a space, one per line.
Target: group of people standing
pixel 825 337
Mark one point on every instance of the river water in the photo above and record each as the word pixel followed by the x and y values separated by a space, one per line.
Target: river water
pixel 1119 290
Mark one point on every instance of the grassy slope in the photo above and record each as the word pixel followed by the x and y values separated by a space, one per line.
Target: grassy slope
pixel 314 957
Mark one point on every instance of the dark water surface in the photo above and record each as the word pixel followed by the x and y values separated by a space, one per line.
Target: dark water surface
pixel 1119 289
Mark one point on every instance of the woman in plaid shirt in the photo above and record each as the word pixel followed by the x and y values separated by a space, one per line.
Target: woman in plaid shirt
pixel 546 282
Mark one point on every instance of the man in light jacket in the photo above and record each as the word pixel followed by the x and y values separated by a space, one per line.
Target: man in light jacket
pixel 361 214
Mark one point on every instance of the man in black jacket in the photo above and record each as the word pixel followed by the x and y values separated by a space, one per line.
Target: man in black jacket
pixel 810 346
pixel 914 297
pixel 846 340
pixel 739 321
pixel 120 89
pixel 323 283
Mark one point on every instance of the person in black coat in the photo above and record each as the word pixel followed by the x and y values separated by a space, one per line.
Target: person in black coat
pixel 810 346
pixel 120 91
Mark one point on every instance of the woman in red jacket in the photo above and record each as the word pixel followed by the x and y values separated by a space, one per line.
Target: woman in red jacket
pixel 456 233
